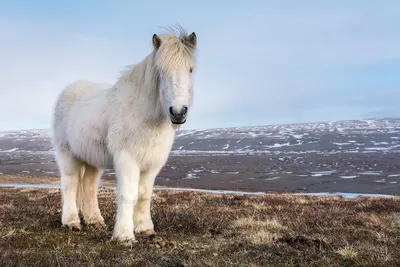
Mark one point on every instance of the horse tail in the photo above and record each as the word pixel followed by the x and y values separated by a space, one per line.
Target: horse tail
pixel 79 191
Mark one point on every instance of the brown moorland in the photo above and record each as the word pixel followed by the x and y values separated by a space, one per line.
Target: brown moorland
pixel 204 229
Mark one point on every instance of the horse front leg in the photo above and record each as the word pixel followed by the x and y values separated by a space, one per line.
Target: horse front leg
pixel 127 174
pixel 141 216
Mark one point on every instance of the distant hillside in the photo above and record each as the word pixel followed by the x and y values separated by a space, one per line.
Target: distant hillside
pixel 323 137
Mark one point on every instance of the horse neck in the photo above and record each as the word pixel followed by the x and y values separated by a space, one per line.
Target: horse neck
pixel 141 85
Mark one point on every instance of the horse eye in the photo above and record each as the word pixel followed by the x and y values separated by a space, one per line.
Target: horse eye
pixel 191 70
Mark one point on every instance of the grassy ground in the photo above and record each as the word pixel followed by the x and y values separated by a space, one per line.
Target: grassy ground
pixel 199 229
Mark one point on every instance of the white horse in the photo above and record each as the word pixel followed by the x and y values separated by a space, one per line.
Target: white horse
pixel 129 126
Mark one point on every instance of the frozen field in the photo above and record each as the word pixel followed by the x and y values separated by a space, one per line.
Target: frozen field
pixel 346 156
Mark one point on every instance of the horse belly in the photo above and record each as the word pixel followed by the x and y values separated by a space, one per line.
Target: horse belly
pixel 87 135
pixel 87 142
pixel 98 156
pixel 92 152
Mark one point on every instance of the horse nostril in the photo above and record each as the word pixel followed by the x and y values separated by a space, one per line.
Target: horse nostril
pixel 171 111
pixel 184 110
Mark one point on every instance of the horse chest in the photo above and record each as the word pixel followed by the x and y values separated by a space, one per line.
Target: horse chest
pixel 154 150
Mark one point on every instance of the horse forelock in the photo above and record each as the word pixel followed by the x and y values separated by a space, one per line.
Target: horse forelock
pixel 176 52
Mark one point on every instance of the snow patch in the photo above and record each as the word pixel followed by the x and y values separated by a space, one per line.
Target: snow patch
pixel 272 178
pixel 345 195
pixel 341 144
pixel 10 150
pixel 322 173
pixel 349 176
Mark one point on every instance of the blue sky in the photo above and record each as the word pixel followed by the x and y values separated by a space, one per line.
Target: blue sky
pixel 259 62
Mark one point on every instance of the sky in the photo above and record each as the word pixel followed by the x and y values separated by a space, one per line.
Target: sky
pixel 259 62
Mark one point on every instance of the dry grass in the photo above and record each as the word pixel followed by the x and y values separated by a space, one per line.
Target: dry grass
pixel 348 252
pixel 257 232
pixel 198 229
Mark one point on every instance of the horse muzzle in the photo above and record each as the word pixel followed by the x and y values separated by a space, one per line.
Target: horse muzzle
pixel 178 117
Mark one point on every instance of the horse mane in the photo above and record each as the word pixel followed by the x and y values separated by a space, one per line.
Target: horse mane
pixel 175 53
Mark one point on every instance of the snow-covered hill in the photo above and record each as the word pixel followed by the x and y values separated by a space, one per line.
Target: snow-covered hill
pixel 381 135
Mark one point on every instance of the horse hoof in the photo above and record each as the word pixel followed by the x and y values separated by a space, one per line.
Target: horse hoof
pixel 100 225
pixel 95 223
pixel 149 232
pixel 127 242
pixel 74 227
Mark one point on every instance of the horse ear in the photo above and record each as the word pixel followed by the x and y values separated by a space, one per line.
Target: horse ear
pixel 156 41
pixel 192 39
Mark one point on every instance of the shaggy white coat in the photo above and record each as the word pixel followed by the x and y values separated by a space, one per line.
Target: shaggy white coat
pixel 125 126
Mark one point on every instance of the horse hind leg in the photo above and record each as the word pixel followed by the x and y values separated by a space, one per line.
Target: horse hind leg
pixel 70 170
pixel 90 208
